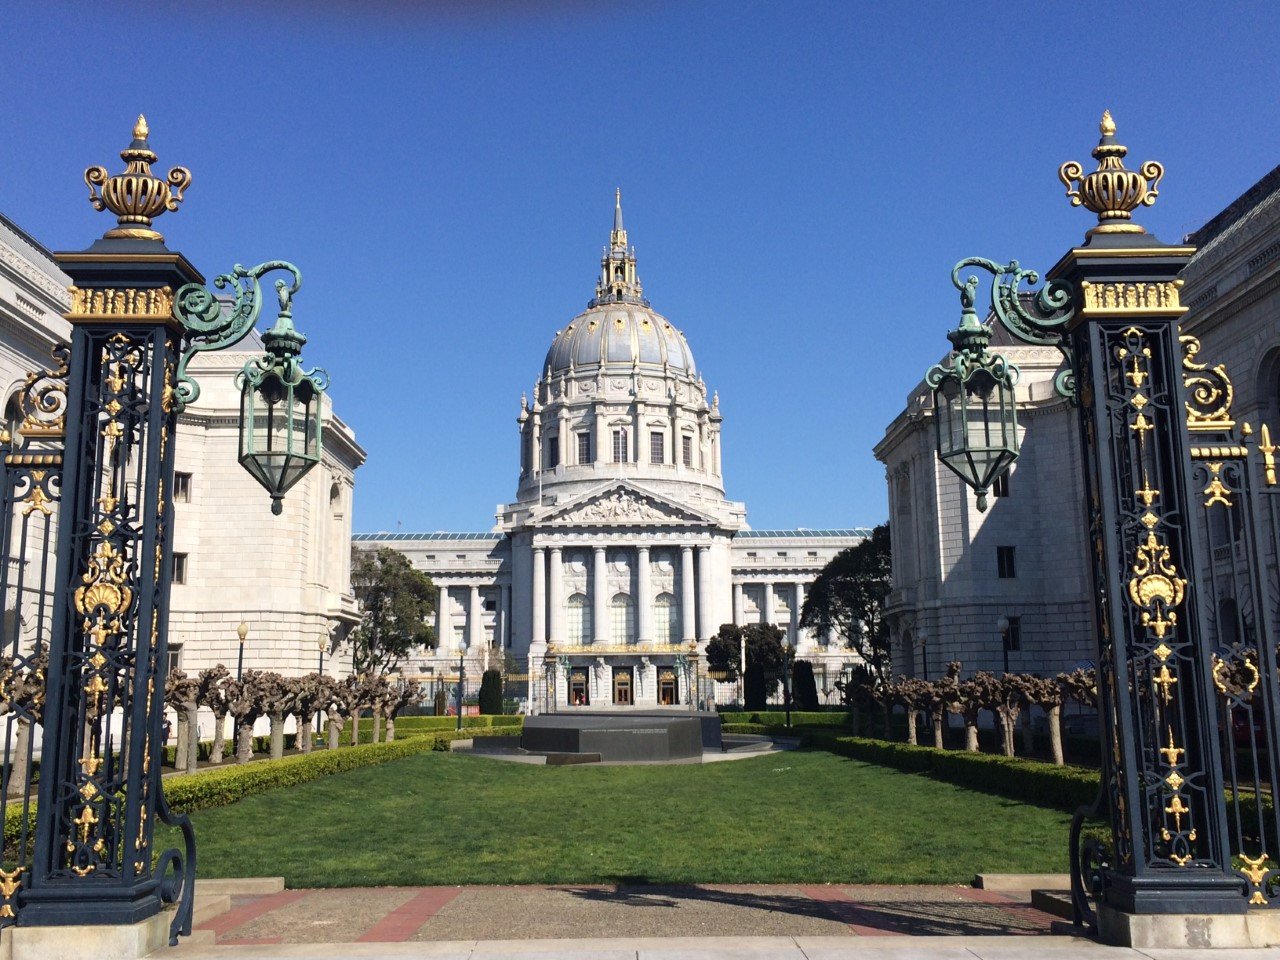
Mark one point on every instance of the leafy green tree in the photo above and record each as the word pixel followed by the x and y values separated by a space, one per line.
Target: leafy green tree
pixel 764 650
pixel 848 596
pixel 396 604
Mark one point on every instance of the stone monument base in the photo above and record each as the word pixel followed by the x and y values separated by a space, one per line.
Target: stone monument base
pixel 617 737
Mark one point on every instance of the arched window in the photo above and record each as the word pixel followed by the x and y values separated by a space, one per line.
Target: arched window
pixel 664 618
pixel 622 619
pixel 579 620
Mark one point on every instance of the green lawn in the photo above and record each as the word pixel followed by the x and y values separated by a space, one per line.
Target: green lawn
pixel 442 818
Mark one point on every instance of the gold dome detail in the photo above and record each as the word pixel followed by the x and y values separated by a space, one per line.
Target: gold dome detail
pixel 135 195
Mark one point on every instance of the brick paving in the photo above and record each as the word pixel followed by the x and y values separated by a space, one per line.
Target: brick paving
pixel 432 914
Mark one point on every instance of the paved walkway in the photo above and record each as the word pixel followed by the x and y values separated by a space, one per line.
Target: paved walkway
pixel 399 914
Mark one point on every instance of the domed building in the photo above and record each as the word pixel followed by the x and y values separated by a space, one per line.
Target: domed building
pixel 620 556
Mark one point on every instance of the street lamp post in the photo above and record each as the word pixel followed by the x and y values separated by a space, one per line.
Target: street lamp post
pixel 1112 307
pixel 1002 625
pixel 462 654
pixel 787 652
pixel 242 632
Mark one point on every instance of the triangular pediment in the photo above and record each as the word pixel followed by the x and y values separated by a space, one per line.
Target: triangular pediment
pixel 622 504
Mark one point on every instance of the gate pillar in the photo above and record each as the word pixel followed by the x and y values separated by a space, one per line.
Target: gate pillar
pixel 1162 765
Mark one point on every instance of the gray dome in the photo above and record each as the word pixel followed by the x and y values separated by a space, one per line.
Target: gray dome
pixel 617 335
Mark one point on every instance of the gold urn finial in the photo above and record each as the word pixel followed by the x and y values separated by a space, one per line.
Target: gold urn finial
pixel 134 195
pixel 1111 191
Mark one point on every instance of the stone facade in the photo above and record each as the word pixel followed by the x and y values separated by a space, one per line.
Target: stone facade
pixel 288 577
pixel 620 553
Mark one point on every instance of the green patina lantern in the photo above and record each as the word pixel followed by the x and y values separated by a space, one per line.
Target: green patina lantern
pixel 975 408
pixel 280 408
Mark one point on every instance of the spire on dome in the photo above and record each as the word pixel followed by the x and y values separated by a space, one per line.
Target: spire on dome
pixel 618 282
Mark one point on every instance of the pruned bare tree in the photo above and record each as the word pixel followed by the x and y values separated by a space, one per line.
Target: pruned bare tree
pixel 213 695
pixel 405 693
pixel 310 696
pixel 1048 694
pixel 182 693
pixel 246 703
pixel 914 694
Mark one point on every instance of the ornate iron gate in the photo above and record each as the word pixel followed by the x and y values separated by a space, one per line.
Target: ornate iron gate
pixel 30 490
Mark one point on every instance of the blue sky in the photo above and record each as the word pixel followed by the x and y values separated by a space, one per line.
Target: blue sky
pixel 798 179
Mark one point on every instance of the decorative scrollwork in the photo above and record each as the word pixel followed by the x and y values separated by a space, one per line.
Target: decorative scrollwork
pixel 1156 587
pixel 212 327
pixel 43 400
pixel 1209 390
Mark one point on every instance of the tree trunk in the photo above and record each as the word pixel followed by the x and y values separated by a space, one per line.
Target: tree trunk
pixel 335 732
pixel 355 728
pixel 855 719
pixel 1028 735
pixel 180 750
pixel 18 769
pixel 938 718
pixel 971 735
pixel 1055 734
pixel 219 737
pixel 391 728
pixel 193 737
pixel 304 734
pixel 277 736
pixel 376 719
pixel 911 725
pixel 244 742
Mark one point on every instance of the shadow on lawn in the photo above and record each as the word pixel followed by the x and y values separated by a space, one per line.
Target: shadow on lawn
pixel 913 911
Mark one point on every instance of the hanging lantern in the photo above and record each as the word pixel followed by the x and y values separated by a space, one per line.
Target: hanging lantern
pixel 975 409
pixel 280 409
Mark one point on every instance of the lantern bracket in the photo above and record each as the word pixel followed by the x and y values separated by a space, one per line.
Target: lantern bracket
pixel 210 327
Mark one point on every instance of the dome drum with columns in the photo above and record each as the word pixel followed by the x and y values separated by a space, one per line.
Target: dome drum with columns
pixel 620 555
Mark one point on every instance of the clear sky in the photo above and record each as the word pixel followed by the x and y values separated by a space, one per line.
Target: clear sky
pixel 798 179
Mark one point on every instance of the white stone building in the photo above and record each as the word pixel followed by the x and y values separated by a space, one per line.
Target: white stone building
pixel 620 552
pixel 287 577
pixel 949 592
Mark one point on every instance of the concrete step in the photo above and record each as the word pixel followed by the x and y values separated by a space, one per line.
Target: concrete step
pixel 1022 881
pixel 208 906
pixel 240 886
pixel 1056 902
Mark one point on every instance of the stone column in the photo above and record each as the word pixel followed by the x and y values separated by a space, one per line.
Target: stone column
pixel 502 625
pixel 475 629
pixel 767 613
pixel 539 634
pixel 444 629
pixel 705 627
pixel 644 597
pixel 689 630
pixel 738 615
pixel 535 445
pixel 555 600
pixel 599 600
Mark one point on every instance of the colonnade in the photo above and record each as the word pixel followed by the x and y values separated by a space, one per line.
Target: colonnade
pixel 770 589
pixel 473 637
pixel 550 602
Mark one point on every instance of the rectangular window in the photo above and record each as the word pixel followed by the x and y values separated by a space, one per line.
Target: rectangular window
pixel 182 488
pixel 1005 567
pixel 490 605
pixel 179 568
pixel 657 448
pixel 175 658
pixel 1001 487
pixel 553 452
pixel 1013 639
pixel 584 447
pixel 686 450
pixel 620 446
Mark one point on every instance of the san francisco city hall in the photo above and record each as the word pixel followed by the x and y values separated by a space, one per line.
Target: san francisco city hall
pixel 621 552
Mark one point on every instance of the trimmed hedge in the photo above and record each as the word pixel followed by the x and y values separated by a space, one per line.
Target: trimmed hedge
pixel 814 718
pixel 217 788
pixel 443 739
pixel 746 728
pixel 1027 781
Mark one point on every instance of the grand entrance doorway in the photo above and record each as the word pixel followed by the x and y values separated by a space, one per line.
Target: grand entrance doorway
pixel 668 692
pixel 579 688
pixel 623 686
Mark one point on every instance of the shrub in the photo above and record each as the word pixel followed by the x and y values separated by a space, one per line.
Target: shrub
pixel 804 688
pixel 491 692
pixel 1027 781
pixel 744 728
pixel 812 718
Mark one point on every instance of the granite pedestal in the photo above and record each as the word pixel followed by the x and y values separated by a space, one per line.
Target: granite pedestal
pixel 619 736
